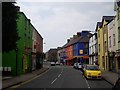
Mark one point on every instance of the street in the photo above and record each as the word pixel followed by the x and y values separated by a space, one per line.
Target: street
pixel 63 77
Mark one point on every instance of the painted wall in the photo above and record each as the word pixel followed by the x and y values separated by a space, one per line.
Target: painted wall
pixel 111 33
pixel 24 45
pixel 100 46
pixel 92 49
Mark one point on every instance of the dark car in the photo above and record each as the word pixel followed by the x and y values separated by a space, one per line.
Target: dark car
pixel 117 85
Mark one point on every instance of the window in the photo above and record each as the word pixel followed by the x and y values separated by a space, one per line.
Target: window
pixel 86 45
pixel 113 39
pixel 85 51
pixel 109 41
pixel 118 16
pixel 99 47
pixel 105 46
pixel 98 33
pixel 118 34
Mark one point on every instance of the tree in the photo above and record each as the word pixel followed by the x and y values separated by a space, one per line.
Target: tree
pixel 9 26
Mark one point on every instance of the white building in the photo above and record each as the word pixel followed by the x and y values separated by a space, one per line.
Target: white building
pixel 111 44
pixel 93 49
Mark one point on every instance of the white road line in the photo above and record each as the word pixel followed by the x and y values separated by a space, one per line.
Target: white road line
pixel 59 75
pixel 87 83
pixel 54 81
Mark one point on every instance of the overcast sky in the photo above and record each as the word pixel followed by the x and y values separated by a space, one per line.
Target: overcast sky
pixel 60 20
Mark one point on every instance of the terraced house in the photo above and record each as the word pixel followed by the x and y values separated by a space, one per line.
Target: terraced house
pixel 93 49
pixel 117 9
pixel 20 60
pixel 103 42
pixel 77 48
pixel 112 45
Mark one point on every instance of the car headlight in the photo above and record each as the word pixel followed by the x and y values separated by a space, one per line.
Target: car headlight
pixel 99 73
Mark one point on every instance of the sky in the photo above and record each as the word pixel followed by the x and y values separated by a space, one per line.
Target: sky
pixel 58 20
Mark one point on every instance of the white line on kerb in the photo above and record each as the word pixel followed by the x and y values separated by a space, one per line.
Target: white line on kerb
pixel 62 70
pixel 87 83
pixel 54 81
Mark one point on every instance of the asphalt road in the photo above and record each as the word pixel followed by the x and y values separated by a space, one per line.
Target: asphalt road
pixel 64 77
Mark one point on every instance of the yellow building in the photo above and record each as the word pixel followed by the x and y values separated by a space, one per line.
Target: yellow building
pixel 100 43
pixel 105 21
pixel 102 30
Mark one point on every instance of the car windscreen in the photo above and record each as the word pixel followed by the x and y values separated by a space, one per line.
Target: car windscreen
pixel 92 68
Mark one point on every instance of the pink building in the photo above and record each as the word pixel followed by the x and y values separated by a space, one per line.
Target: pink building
pixel 111 45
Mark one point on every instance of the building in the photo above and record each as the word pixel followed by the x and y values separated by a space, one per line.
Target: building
pixel 52 55
pixel 102 30
pixel 59 50
pixel 77 48
pixel 93 54
pixel 34 36
pixel 112 45
pixel 100 44
pixel 105 21
pixel 117 9
pixel 20 59
pixel 39 51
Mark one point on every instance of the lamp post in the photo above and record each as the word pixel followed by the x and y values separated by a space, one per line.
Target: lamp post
pixel 16 50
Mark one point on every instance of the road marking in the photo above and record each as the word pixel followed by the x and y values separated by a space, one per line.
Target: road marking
pixel 59 75
pixel 87 83
pixel 62 70
pixel 54 81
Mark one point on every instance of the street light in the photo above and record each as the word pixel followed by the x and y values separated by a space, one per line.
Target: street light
pixel 16 50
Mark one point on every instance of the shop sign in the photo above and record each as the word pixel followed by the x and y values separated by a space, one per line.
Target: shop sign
pixel 81 51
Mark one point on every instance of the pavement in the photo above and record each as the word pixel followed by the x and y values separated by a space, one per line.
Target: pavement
pixel 110 76
pixel 11 81
pixel 8 82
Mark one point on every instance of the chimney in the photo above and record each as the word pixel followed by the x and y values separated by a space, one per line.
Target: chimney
pixel 75 36
pixel 68 40
pixel 78 34
pixel 71 38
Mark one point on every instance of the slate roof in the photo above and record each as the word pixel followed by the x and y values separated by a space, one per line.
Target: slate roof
pixel 107 18
pixel 78 39
pixel 118 3
pixel 99 24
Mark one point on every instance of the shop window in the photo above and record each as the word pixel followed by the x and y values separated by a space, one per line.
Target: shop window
pixel 99 47
pixel 85 51
pixel 110 41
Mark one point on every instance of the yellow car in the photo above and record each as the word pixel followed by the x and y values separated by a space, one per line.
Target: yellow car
pixel 92 72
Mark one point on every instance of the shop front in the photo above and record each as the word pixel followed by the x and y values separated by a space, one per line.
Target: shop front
pixel 111 60
pixel 118 62
pixel 86 59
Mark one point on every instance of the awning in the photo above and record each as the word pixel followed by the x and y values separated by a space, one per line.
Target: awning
pixel 77 56
pixel 68 58
pixel 86 57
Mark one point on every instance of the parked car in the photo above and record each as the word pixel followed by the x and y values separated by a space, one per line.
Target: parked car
pixel 117 85
pixel 92 72
pixel 57 63
pixel 75 65
pixel 79 66
pixel 52 63
pixel 83 66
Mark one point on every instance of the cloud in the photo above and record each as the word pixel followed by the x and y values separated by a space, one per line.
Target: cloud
pixel 58 21
pixel 65 0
